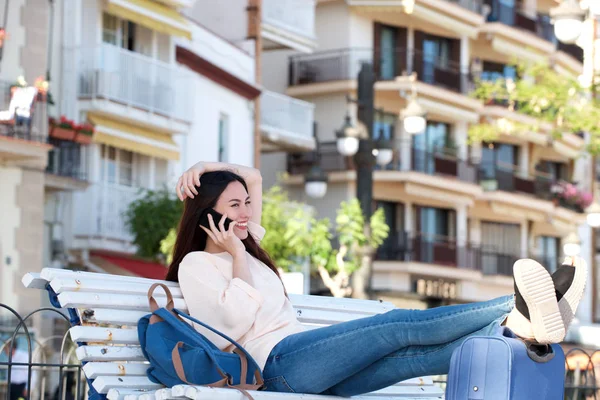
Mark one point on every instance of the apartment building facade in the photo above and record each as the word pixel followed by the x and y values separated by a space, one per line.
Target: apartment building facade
pixel 460 214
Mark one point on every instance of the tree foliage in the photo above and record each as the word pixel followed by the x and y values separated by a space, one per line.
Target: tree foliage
pixel 150 218
pixel 293 235
pixel 549 97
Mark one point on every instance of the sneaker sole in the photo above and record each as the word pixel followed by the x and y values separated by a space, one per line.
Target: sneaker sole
pixel 536 287
pixel 571 299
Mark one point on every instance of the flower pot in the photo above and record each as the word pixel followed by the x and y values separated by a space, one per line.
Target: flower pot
pixel 62 133
pixel 83 138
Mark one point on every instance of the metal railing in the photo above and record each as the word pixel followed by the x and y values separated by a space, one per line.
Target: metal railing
pixel 286 114
pixel 104 214
pixel 443 163
pixel 65 159
pixel 573 50
pixel 34 128
pixel 475 6
pixel 330 160
pixel 62 379
pixel 129 78
pixel 344 64
pixel 297 16
pixel 442 250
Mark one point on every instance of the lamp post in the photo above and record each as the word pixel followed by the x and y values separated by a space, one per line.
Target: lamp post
pixel 359 141
pixel 569 19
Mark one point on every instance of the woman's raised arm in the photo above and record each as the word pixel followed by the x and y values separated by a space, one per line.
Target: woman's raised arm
pixel 186 185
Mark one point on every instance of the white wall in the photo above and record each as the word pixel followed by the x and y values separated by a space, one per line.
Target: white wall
pixel 10 220
pixel 328 205
pixel 201 144
pixel 330 110
pixel 228 19
pixel 9 69
pixel 332 26
pixel 361 31
pixel 275 70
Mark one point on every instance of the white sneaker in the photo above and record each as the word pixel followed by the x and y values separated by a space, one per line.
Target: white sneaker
pixel 571 298
pixel 537 289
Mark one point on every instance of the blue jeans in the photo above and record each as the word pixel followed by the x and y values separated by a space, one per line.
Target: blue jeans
pixel 368 354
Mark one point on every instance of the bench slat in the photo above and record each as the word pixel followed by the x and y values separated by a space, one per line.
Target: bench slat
pixel 73 284
pixel 104 383
pixel 101 335
pixel 98 284
pixel 95 369
pixel 116 302
pixel 51 273
pixel 205 393
pixel 109 353
pixel 32 280
pixel 131 317
pixel 119 394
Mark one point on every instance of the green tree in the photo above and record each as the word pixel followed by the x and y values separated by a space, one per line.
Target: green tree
pixel 550 98
pixel 294 234
pixel 150 218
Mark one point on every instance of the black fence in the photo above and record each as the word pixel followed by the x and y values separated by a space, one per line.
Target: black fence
pixel 65 159
pixel 31 368
pixel 344 64
pixel 445 251
pixel 22 131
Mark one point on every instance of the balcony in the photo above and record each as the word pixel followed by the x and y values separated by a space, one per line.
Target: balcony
pixel 444 251
pixel 127 83
pixel 289 24
pixel 23 138
pixel 66 169
pixel 476 6
pixel 100 212
pixel 573 50
pixel 344 64
pixel 443 164
pixel 286 123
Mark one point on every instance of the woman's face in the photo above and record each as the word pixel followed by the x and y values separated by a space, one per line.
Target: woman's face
pixel 235 203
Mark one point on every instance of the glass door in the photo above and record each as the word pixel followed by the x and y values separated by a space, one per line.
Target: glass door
pixel 387 63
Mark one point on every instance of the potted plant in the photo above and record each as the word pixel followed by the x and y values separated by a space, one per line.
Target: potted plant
pixel 85 132
pixel 62 129
pixel 570 196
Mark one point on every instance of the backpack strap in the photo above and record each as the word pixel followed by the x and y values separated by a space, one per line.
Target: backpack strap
pixel 225 382
pixel 152 301
pixel 230 340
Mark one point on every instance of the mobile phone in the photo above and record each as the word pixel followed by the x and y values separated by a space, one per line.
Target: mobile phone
pixel 216 219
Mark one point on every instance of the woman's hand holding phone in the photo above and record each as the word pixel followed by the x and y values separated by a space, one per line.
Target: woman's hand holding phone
pixel 226 239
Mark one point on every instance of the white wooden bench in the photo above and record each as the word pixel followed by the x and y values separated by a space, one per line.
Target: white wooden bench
pixel 109 306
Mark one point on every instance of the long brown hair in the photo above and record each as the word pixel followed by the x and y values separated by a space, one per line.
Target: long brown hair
pixel 190 237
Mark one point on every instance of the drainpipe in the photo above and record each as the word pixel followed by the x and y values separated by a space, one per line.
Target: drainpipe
pixel 254 32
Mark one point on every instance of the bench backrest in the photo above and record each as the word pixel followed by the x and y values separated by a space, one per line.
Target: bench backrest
pixel 109 307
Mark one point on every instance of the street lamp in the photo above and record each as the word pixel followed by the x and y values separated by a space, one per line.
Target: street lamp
pixel 568 21
pixel 315 182
pixel 572 245
pixel 360 142
pixel 413 115
pixel 593 215
pixel 348 138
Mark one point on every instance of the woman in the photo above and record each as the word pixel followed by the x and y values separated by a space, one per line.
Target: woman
pixel 229 282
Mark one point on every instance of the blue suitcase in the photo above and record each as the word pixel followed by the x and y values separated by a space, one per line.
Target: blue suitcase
pixel 504 367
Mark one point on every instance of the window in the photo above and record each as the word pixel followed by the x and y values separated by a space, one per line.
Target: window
pixel 436 55
pixel 556 171
pixel 117 166
pixel 388 60
pixel 493 71
pixel 498 156
pixel 118 32
pixel 500 247
pixel 383 127
pixel 223 137
pixel 548 249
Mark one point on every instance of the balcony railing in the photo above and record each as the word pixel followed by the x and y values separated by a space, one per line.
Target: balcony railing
pixel 445 164
pixel 297 16
pixel 101 211
pixel 330 160
pixel 344 64
pixel 34 128
pixel 286 115
pixel 65 160
pixel 111 73
pixel 444 251
pixel 475 6
pixel 572 50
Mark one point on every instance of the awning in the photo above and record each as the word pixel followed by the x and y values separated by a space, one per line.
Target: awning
pixel 128 265
pixel 133 138
pixel 152 15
